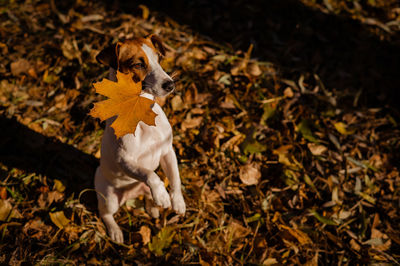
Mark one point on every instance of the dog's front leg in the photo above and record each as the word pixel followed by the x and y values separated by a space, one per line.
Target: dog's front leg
pixel 158 191
pixel 169 164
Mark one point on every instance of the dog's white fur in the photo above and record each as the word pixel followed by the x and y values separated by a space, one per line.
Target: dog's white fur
pixel 127 164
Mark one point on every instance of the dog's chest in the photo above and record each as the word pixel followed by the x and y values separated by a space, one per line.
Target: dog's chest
pixel 148 143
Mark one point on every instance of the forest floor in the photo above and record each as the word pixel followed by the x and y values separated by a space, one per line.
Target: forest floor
pixel 286 127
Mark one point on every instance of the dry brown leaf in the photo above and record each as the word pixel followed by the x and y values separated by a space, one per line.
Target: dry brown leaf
pixel 237 231
pixel 3 193
pixel 270 261
pixel 298 234
pixel 379 240
pixel 21 66
pixel 250 174
pixel 145 232
pixel 253 69
pixel 228 103
pixel 191 122
pixel 5 210
pixel 288 92
pixel 124 102
pixel 36 229
pixel 316 149
pixel 177 103
pixel 54 196
pixel 354 245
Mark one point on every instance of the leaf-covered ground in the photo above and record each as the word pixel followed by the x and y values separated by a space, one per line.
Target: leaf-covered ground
pixel 286 125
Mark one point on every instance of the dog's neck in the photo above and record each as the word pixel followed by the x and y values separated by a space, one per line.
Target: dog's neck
pixel 112 75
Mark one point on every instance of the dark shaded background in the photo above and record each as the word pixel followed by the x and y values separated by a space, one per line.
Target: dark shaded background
pixel 343 52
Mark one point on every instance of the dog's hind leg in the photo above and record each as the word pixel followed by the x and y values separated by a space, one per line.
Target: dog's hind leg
pixel 108 204
pixel 141 189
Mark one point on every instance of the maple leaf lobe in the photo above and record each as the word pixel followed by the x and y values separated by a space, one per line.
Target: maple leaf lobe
pixel 124 102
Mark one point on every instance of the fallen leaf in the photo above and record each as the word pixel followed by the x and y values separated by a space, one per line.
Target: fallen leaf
pixel 54 196
pixel 379 240
pixel 145 11
pixel 316 149
pixel 237 231
pixel 21 66
pixel 270 261
pixel 354 245
pixel 3 193
pixel 58 185
pixel 145 232
pixel 5 210
pixel 49 78
pixel 161 241
pixel 36 228
pixel 288 92
pixel 250 174
pixel 92 17
pixel 285 157
pixel 124 102
pixel 199 54
pixel 228 103
pixel 253 69
pixel 322 219
pixel 191 122
pixel 71 50
pixel 342 128
pixel 304 128
pixel 177 103
pixel 59 219
pixel 298 234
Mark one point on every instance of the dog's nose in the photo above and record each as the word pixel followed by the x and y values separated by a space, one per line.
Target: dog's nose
pixel 168 85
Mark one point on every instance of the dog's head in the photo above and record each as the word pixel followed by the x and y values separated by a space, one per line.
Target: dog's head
pixel 140 56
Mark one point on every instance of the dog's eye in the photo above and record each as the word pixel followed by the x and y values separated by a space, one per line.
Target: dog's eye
pixel 138 65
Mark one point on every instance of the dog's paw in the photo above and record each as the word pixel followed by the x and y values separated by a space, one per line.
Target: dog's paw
pixel 161 196
pixel 153 211
pixel 116 234
pixel 178 203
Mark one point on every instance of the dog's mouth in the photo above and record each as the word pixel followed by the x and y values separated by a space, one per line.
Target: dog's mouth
pixel 149 87
pixel 146 85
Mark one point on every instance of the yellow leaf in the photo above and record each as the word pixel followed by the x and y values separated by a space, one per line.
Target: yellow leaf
pixel 145 11
pixel 58 185
pixel 124 102
pixel 162 240
pixel 298 234
pixel 286 158
pixel 59 219
pixel 342 129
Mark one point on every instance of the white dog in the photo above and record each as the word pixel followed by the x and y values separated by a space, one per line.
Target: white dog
pixel 127 164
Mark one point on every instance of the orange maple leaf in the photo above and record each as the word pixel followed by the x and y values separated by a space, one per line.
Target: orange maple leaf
pixel 124 102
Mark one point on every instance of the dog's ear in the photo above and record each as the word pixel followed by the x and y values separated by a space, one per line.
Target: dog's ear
pixel 158 44
pixel 109 56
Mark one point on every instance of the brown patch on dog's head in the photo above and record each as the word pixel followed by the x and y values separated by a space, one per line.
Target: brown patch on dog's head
pixel 129 57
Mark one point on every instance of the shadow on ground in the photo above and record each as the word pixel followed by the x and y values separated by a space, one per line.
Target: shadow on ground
pixel 23 148
pixel 298 39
